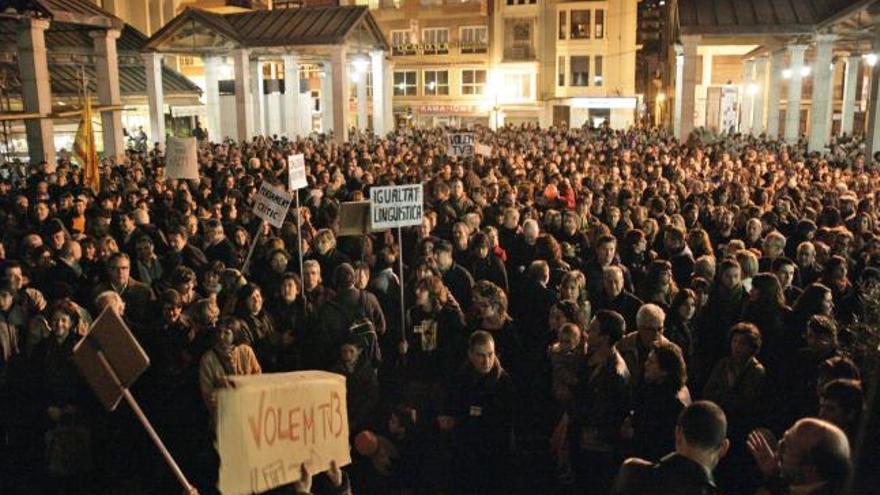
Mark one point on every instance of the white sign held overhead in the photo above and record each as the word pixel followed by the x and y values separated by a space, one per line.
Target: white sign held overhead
pixel 181 159
pixel 483 149
pixel 461 144
pixel 272 204
pixel 296 172
pixel 396 206
pixel 269 425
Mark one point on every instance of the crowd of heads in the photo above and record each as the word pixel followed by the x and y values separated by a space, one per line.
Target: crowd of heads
pixel 615 293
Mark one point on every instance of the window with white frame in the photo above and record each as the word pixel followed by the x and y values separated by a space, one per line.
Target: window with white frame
pixel 473 81
pixel 516 86
pixel 474 39
pixel 600 24
pixel 402 42
pixel 597 70
pixel 580 70
pixel 580 24
pixel 435 41
pixel 405 83
pixel 436 82
pixel 560 71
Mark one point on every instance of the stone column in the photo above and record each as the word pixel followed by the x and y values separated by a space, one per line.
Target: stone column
pixel 795 85
pixel 777 64
pixel 107 76
pixel 850 81
pixel 326 97
pixel 155 96
pixel 257 95
pixel 679 85
pixel 823 82
pixel 745 107
pixel 341 113
pixel 291 96
pixel 244 111
pixel 686 68
pixel 377 59
pixel 390 122
pixel 758 100
pixel 362 122
pixel 36 93
pixel 872 137
pixel 212 98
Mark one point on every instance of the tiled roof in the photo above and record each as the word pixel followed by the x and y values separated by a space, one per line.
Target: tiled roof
pixel 760 16
pixel 82 12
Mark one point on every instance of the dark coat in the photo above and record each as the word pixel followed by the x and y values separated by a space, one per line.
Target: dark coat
pixel 460 284
pixel 490 268
pixel 673 475
pixel 223 251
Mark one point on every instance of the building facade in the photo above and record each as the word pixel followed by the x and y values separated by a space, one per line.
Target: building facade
pixel 497 62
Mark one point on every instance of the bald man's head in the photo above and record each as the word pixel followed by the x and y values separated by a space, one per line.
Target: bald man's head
pixel 816 451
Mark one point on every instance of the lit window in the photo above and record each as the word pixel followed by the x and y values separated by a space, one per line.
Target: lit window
pixel 402 43
pixel 474 39
pixel 516 86
pixel 560 70
pixel 405 83
pixel 580 24
pixel 563 24
pixel 600 24
pixel 436 82
pixel 580 70
pixel 436 41
pixel 473 81
pixel 597 70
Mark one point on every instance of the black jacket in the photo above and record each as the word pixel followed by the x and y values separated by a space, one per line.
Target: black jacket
pixel 460 284
pixel 673 475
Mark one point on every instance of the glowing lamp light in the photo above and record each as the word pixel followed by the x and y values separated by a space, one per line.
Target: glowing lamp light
pixel 360 65
pixel 753 89
pixel 661 96
pixel 871 59
pixel 786 73
pixel 431 85
pixel 805 71
pixel 401 86
pixel 355 77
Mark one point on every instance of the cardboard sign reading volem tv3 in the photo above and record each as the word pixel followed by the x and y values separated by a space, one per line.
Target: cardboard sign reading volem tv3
pixel 268 425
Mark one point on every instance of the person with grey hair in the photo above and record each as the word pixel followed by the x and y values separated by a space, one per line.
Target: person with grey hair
pixel 637 345
pixel 615 297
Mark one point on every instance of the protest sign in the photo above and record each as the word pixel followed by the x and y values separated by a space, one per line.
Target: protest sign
pixel 272 204
pixel 110 358
pixel 483 149
pixel 181 160
pixel 395 206
pixel 296 172
pixel 461 144
pixel 268 425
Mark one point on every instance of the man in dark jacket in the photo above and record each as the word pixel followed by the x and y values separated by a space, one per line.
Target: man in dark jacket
pixel 181 252
pixel 615 298
pixel 480 414
pixel 700 442
pixel 455 277
pixel 217 246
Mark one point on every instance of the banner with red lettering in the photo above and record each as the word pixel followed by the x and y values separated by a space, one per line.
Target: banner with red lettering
pixel 268 425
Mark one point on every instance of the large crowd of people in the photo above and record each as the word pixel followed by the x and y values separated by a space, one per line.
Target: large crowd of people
pixel 585 311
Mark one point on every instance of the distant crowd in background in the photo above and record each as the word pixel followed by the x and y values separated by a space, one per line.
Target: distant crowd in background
pixel 587 311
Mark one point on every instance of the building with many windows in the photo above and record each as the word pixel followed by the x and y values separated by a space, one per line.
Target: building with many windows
pixel 441 59
pixel 511 61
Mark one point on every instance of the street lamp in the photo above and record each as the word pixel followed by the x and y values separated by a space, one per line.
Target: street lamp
pixel 492 94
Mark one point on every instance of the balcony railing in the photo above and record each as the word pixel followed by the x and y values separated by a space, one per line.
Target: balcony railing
pixel 408 49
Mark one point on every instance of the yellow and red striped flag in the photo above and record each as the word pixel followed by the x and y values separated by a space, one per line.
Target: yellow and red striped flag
pixel 85 151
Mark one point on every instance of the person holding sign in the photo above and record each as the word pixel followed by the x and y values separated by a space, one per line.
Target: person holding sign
pixel 223 360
